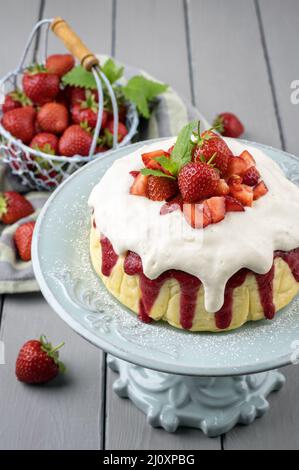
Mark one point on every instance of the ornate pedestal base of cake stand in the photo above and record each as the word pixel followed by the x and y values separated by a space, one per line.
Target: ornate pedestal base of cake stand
pixel 213 404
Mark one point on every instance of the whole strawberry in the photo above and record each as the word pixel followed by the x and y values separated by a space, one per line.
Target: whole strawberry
pixel 87 112
pixel 23 239
pixel 75 141
pixel 45 142
pixel 75 94
pixel 212 144
pixel 14 206
pixel 229 125
pixel 197 181
pixel 160 188
pixel 39 85
pixel 20 123
pixel 53 118
pixel 15 99
pixel 121 133
pixel 60 63
pixel 38 362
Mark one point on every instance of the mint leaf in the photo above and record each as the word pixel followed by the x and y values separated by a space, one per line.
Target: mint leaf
pixel 141 91
pixel 79 77
pixel 112 71
pixel 149 172
pixel 168 164
pixel 182 151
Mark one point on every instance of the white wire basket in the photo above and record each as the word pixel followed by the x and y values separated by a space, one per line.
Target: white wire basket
pixel 39 170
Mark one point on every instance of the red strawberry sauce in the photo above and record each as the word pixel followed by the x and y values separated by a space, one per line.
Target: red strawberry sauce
pixel 190 285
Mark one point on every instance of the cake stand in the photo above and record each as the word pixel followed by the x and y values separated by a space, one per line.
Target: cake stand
pixel 177 378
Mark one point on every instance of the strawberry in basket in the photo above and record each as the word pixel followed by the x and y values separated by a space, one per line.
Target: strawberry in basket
pixel 55 112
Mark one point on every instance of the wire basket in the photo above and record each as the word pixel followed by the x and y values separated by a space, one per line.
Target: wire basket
pixel 39 170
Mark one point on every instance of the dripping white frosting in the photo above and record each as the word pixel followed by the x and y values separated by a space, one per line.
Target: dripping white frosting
pixel 213 254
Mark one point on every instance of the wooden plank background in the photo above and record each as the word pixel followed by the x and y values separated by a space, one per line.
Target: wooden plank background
pixel 237 55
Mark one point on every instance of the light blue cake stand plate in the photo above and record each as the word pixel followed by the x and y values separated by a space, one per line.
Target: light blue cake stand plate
pixel 176 378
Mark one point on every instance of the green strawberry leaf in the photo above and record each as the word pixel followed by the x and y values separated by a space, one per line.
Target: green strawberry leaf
pixel 168 164
pixel 182 151
pixel 79 77
pixel 150 172
pixel 141 91
pixel 112 71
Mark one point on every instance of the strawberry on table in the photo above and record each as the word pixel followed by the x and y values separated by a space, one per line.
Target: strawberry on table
pixel 45 142
pixel 15 99
pixel 40 85
pixel 75 141
pixel 20 123
pixel 197 181
pixel 229 125
pixel 53 117
pixel 14 206
pixel 38 362
pixel 60 64
pixel 23 239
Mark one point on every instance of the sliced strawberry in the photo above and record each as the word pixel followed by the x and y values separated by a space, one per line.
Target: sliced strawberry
pixel 139 186
pixel 235 181
pixel 174 204
pixel 251 176
pixel 149 159
pixel 248 158
pixel 134 173
pixel 259 190
pixel 236 166
pixel 233 205
pixel 197 215
pixel 243 194
pixel 216 205
pixel 222 188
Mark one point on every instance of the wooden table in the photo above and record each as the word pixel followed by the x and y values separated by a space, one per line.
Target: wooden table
pixel 237 55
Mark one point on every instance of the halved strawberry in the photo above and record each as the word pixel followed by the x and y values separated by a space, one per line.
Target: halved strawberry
pixel 197 215
pixel 222 188
pixel 216 205
pixel 243 194
pixel 149 159
pixel 139 186
pixel 233 205
pixel 235 181
pixel 259 190
pixel 248 158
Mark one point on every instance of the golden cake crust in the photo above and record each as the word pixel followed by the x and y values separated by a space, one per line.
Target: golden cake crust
pixel 246 303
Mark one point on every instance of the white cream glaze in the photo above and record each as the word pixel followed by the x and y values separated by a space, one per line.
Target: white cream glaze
pixel 213 254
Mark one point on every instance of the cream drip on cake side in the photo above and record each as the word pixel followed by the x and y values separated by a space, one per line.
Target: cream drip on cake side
pixel 213 254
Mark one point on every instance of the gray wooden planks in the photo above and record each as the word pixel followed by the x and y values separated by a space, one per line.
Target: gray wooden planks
pixel 280 24
pixel 20 17
pixel 90 20
pixel 64 414
pixel 230 72
pixel 151 35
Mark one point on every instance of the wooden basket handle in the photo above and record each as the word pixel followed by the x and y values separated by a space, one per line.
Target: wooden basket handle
pixel 73 43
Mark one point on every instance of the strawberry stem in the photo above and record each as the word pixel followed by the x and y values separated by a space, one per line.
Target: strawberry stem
pixel 57 347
